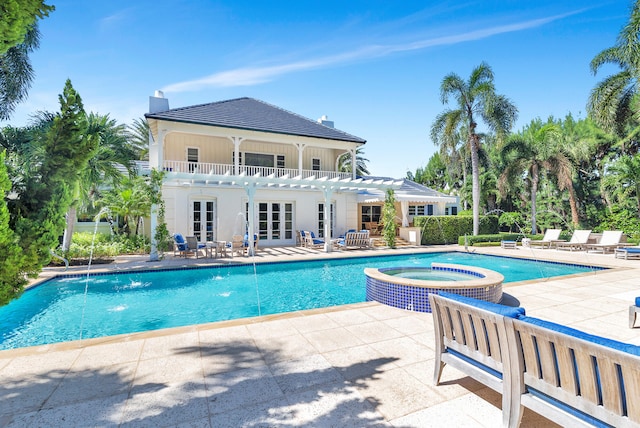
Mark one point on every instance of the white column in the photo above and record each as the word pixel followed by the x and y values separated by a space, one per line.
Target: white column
pixel 353 163
pixel 159 160
pixel 300 147
pixel 251 192
pixel 404 207
pixel 236 150
pixel 328 192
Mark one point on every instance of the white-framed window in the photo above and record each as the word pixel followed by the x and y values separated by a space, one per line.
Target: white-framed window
pixel 321 219
pixel 416 210
pixel 280 161
pixel 193 156
pixel 315 164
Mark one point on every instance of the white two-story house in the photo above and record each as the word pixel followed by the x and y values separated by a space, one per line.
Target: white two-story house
pixel 243 164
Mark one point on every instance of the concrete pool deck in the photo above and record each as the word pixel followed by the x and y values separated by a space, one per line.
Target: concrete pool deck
pixel 356 365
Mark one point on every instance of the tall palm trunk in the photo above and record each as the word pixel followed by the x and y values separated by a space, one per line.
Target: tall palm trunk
pixel 535 179
pixel 475 182
pixel 575 217
pixel 68 232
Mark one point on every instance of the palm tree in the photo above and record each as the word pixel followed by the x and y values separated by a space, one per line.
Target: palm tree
pixel 475 98
pixel 16 73
pixel 344 163
pixel 623 179
pixel 131 200
pixel 613 102
pixel 104 169
pixel 536 150
pixel 138 135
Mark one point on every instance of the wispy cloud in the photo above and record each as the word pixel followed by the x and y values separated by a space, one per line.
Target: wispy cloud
pixel 248 76
pixel 115 19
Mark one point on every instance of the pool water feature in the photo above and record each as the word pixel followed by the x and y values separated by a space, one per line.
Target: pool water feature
pixel 140 301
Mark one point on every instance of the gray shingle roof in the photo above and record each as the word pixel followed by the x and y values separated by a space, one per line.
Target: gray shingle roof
pixel 255 115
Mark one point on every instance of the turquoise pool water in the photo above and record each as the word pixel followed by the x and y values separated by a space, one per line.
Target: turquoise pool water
pixel 141 301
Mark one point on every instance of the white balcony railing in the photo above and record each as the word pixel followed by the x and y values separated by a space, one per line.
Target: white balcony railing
pixel 202 168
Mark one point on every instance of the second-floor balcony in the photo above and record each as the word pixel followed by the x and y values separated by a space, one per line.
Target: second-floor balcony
pixel 203 168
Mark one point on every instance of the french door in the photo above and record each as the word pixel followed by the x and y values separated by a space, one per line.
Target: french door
pixel 203 217
pixel 274 222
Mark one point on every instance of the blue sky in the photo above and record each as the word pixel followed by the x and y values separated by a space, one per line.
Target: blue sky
pixel 374 67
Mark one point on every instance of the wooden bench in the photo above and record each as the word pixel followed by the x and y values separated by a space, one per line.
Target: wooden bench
pixel 354 240
pixel 568 376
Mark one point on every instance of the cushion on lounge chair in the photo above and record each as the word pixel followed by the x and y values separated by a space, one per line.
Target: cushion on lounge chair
pixel 507 311
pixel 637 301
pixel 633 250
pixel 180 242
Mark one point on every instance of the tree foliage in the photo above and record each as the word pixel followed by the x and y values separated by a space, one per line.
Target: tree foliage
pixel 389 219
pixel 12 278
pixel 45 192
pixel 17 17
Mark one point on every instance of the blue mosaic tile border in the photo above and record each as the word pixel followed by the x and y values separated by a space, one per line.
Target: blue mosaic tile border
pixel 416 299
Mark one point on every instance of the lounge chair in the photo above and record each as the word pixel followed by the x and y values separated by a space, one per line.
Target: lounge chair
pixel 193 246
pixel 610 240
pixel 551 236
pixel 578 241
pixel 626 252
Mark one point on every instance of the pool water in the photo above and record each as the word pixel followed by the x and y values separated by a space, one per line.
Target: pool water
pixel 141 301
pixel 427 274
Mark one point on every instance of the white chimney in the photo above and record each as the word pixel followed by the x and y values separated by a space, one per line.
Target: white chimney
pixel 324 120
pixel 158 102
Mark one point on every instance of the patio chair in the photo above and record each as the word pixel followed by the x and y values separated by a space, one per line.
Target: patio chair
pixel 193 246
pixel 236 246
pixel 578 241
pixel 610 240
pixel 180 245
pixel 256 238
pixel 633 312
pixel 311 241
pixel 550 237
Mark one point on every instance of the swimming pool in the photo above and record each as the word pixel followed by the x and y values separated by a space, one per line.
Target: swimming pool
pixel 141 301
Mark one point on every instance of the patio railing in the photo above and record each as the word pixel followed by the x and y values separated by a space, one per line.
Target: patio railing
pixel 203 168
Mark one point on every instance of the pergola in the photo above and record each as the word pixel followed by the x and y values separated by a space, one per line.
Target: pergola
pixel 251 183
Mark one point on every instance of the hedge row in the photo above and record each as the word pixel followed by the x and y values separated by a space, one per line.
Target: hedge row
pixel 448 229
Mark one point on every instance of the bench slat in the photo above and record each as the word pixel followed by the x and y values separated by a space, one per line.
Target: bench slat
pixel 610 385
pixel 631 376
pixel 586 375
pixel 547 361
pixel 481 334
pixel 566 367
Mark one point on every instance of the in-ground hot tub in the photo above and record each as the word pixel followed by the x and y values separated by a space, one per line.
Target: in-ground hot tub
pixel 409 287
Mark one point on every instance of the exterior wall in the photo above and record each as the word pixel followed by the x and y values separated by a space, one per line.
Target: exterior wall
pixel 230 206
pixel 220 150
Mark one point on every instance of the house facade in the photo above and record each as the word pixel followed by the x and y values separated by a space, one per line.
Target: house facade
pixel 243 164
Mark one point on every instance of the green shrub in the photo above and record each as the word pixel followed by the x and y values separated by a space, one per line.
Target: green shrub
pixel 493 238
pixel 447 229
pixel 105 246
